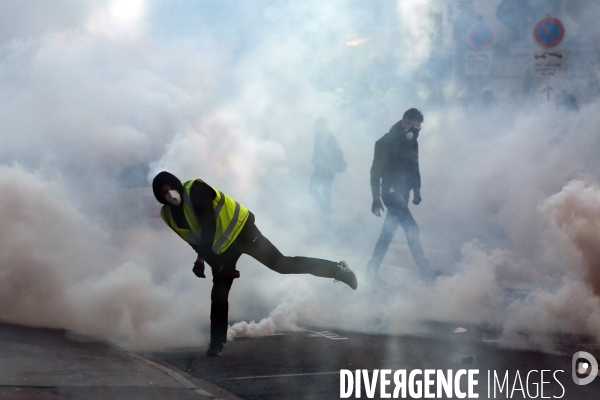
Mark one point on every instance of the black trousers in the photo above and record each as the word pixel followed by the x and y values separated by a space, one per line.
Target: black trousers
pixel 251 241
pixel 319 188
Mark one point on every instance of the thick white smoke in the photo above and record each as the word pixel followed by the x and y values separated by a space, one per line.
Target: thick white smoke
pixel 60 269
pixel 88 95
pixel 281 319
pixel 575 211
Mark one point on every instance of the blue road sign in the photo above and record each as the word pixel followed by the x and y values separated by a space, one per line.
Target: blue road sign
pixel 480 36
pixel 549 32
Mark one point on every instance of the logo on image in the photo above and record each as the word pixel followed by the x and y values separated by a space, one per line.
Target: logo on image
pixel 584 363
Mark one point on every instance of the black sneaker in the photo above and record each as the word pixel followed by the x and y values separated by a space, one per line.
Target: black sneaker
pixel 430 275
pixel 214 349
pixel 344 274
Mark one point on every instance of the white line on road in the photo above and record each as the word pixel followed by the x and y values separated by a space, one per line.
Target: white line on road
pixel 327 334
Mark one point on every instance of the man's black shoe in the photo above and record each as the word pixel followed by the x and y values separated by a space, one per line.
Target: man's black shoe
pixel 343 273
pixel 214 349
pixel 430 275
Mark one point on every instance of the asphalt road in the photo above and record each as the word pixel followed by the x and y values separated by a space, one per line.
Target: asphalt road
pixel 306 365
pixel 53 364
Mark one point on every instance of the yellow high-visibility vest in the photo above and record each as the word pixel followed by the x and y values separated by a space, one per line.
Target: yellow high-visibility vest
pixel 230 215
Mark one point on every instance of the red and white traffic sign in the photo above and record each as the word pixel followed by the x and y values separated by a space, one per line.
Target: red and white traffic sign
pixel 549 32
pixel 480 36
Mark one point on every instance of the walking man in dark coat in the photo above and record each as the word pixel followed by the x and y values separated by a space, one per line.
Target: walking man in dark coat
pixel 328 160
pixel 394 173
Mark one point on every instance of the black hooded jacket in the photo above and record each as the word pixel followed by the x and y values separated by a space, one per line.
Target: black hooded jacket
pixel 201 196
pixel 395 164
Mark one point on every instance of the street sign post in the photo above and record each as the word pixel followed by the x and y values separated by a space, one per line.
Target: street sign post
pixel 478 63
pixel 480 36
pixel 548 32
pixel 546 63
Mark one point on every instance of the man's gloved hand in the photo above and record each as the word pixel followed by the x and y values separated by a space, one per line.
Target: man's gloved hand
pixel 417 197
pixel 377 207
pixel 199 269
pixel 228 272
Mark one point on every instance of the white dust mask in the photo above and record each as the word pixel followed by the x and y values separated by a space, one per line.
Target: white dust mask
pixel 173 197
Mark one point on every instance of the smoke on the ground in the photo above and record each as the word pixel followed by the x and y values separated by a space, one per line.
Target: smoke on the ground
pixel 97 96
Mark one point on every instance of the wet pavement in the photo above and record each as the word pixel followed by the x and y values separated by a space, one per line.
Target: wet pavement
pixel 54 364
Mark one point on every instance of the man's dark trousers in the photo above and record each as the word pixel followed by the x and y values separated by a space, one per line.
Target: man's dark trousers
pixel 398 214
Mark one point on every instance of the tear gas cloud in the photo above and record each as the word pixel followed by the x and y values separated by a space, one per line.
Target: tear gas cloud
pixel 98 96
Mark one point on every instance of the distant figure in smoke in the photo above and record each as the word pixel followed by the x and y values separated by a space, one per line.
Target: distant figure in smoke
pixel 328 160
pixel 220 230
pixel 394 173
pixel 566 100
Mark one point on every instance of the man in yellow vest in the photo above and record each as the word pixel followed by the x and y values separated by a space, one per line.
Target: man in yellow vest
pixel 220 230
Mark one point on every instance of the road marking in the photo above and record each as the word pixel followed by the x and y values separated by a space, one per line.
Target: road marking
pixel 327 334
pixel 398 268
pixel 282 375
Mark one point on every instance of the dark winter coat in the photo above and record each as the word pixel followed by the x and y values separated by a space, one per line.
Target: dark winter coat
pixel 328 155
pixel 395 169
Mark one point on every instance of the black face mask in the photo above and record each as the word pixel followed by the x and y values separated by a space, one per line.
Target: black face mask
pixel 414 130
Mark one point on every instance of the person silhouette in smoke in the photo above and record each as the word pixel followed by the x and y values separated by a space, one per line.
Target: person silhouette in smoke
pixel 394 173
pixel 566 100
pixel 220 230
pixel 328 160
